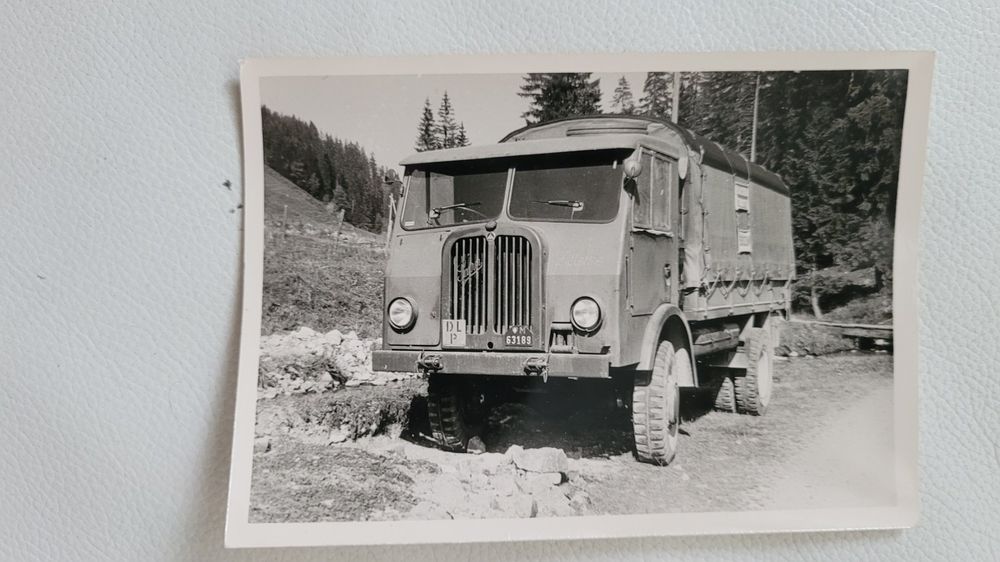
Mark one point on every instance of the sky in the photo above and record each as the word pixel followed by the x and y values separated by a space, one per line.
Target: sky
pixel 381 112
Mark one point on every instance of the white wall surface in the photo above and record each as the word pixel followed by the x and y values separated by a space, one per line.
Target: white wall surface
pixel 120 268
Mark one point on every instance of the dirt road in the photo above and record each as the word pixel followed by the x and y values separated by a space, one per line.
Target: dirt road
pixel 825 442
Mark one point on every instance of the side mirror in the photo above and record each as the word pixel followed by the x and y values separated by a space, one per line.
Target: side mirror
pixel 391 177
pixel 633 164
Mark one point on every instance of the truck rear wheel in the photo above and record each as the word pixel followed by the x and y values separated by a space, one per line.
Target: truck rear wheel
pixel 725 395
pixel 753 390
pixel 656 406
pixel 453 412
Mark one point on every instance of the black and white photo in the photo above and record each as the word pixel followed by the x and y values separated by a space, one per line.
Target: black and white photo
pixel 547 297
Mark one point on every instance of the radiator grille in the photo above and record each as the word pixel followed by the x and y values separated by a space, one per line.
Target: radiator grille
pixel 513 269
pixel 469 278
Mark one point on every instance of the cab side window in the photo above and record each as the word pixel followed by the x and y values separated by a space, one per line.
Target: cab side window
pixel 642 205
pixel 661 177
pixel 651 206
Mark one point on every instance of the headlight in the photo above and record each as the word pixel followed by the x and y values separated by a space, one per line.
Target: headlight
pixel 586 314
pixel 402 314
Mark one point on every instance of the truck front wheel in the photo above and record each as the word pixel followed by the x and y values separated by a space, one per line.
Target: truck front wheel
pixel 656 406
pixel 454 411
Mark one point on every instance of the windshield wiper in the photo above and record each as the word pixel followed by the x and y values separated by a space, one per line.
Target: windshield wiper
pixel 436 211
pixel 575 205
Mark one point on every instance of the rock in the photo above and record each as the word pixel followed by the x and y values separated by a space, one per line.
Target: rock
pixel 493 463
pixel 513 450
pixel 304 333
pixel 539 483
pixel 333 337
pixel 427 511
pixel 546 459
pixel 553 502
pixel 337 436
pixel 504 484
pixel 448 490
pixel 479 481
pixel 261 445
pixel 520 506
pixel 327 504
pixel 325 378
pixel 475 446
pixel 579 500
pixel 352 382
pixel 793 353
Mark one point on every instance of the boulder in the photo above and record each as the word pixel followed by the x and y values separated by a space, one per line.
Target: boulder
pixel 545 459
pixel 333 338
pixel 261 445
pixel 475 446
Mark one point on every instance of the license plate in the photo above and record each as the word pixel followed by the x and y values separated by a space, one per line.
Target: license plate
pixel 518 336
pixel 453 333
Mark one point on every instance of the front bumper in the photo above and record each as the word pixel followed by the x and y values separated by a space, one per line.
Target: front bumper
pixel 493 363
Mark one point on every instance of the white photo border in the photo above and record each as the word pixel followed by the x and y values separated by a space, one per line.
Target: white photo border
pixel 241 533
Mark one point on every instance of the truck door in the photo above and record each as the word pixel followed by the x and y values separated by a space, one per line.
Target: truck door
pixel 653 253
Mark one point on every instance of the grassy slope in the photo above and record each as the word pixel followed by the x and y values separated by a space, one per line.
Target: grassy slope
pixel 316 280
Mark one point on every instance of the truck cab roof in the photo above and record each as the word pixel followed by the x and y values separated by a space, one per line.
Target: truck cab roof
pixel 600 132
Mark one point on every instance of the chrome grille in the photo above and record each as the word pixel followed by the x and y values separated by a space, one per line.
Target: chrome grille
pixel 513 267
pixel 469 275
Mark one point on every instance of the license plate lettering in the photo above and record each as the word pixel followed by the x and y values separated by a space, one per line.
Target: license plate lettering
pixel 453 333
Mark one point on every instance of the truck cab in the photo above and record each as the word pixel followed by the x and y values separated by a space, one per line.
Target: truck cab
pixel 582 248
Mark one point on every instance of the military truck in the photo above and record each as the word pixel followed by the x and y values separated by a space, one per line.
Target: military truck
pixel 613 247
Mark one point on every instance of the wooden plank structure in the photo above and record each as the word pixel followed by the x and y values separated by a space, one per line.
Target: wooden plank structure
pixel 857 331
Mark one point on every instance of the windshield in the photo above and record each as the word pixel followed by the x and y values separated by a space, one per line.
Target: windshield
pixel 579 187
pixel 454 193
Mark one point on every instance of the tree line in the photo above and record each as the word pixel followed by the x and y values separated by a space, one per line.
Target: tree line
pixel 330 169
pixel 444 132
pixel 833 136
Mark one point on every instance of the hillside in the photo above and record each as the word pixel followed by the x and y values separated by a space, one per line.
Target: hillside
pixel 302 208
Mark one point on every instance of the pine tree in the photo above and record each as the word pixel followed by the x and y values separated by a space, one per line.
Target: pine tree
pixel 623 102
pixel 560 95
pixel 462 139
pixel 446 128
pixel 426 129
pixel 656 98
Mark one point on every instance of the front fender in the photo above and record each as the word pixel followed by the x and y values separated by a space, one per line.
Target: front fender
pixel 651 339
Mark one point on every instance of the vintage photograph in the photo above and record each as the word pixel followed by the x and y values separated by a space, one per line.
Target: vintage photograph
pixel 530 295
